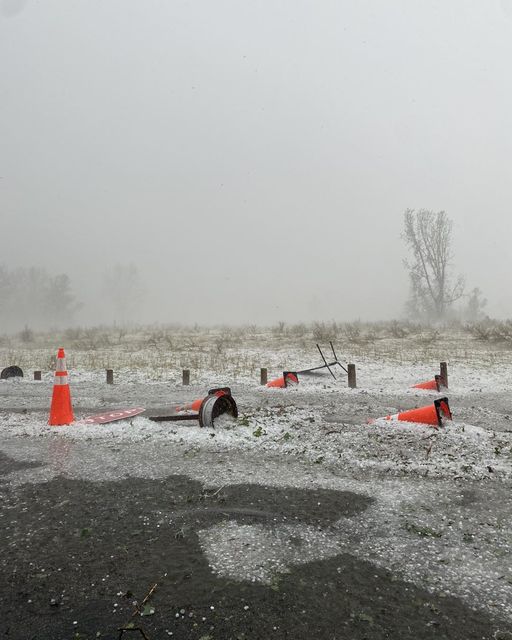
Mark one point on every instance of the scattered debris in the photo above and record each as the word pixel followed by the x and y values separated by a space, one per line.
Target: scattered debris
pixel 326 365
pixel 218 402
pixel 112 416
pixel 142 604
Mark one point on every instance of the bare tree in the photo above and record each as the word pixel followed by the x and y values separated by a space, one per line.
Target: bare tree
pixel 60 302
pixel 428 236
pixel 30 296
pixel 123 287
pixel 474 310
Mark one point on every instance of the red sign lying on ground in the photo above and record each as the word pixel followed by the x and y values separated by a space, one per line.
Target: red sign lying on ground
pixel 112 416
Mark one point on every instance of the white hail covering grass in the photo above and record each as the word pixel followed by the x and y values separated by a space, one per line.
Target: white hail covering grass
pixel 441 516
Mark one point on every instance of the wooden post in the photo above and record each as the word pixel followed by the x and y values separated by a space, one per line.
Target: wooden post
pixel 37 375
pixel 110 376
pixel 263 375
pixel 444 373
pixel 186 376
pixel 352 376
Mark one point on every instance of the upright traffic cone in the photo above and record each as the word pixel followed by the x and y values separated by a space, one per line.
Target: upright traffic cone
pixel 61 411
pixel 288 379
pixel 432 414
pixel 431 385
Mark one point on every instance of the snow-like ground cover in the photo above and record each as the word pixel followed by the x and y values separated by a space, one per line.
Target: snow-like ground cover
pixel 441 515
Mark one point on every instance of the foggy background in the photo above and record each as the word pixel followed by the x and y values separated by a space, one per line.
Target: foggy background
pixel 251 162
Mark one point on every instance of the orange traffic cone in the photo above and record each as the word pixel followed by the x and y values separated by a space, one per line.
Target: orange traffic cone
pixel 218 402
pixel 61 411
pixel 191 406
pixel 433 414
pixel 288 379
pixel 196 405
pixel 431 385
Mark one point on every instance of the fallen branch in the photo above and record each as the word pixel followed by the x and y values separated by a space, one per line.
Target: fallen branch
pixel 149 594
pixel 212 495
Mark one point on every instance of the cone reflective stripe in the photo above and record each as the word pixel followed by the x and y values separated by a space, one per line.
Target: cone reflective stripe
pixel 61 410
pixel 61 374
pixel 61 377
pixel 431 385
pixel 432 414
pixel 288 379
pixel 61 360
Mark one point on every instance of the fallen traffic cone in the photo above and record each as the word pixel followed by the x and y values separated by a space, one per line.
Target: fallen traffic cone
pixel 218 402
pixel 433 414
pixel 288 379
pixel 431 385
pixel 196 405
pixel 191 406
pixel 61 411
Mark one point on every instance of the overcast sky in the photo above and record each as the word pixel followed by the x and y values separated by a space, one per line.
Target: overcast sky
pixel 254 158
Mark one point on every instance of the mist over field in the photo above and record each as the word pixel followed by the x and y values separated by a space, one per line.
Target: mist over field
pixel 247 163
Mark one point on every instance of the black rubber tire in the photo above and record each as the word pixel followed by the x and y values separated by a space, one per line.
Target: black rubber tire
pixel 11 372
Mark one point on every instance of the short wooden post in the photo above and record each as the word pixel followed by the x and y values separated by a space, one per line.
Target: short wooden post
pixel 37 375
pixel 352 376
pixel 186 377
pixel 110 376
pixel 444 373
pixel 263 375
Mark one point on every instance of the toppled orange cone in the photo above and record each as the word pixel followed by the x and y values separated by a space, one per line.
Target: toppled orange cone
pixel 61 410
pixel 432 414
pixel 218 402
pixel 431 385
pixel 196 404
pixel 288 379
pixel 191 406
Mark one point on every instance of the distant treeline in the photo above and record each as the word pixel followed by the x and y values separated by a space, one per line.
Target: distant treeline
pixel 33 297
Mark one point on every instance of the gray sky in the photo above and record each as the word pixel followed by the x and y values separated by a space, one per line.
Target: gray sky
pixel 254 158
